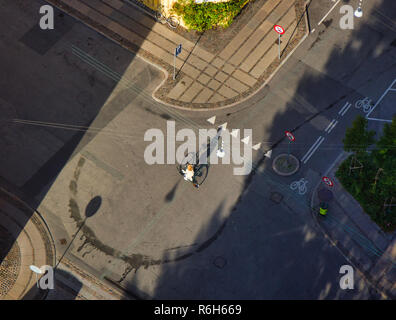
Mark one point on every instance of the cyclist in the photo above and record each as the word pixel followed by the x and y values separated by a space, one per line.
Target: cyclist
pixel 189 173
pixel 324 207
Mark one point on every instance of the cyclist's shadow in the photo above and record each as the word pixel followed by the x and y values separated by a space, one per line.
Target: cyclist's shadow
pixel 202 159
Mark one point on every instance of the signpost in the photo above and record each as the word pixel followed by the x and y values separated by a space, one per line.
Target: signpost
pixel 328 181
pixel 291 138
pixel 177 52
pixel 280 31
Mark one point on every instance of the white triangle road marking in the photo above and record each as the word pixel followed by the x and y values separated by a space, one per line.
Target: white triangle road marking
pixel 246 140
pixel 268 154
pixel 257 146
pixel 223 126
pixel 235 132
pixel 212 120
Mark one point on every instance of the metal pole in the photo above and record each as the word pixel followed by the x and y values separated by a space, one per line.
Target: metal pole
pixel 174 66
pixel 279 47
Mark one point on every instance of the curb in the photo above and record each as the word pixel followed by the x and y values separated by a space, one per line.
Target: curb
pixel 42 228
pixel 123 42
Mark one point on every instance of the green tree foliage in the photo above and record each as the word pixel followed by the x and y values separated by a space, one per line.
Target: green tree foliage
pixel 386 145
pixel 205 16
pixel 375 184
pixel 358 138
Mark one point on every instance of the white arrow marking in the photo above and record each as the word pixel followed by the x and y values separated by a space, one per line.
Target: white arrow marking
pixel 268 154
pixel 246 140
pixel 257 146
pixel 212 120
pixel 235 132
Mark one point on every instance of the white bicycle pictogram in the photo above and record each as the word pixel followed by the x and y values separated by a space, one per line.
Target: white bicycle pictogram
pixel 365 104
pixel 301 185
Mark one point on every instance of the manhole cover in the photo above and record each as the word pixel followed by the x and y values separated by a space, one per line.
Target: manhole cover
pixel 220 262
pixel 10 261
pixel 276 197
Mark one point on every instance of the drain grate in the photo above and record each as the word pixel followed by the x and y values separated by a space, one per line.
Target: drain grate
pixel 276 197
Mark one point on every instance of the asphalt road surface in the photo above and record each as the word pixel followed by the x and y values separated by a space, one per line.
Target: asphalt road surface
pixel 75 109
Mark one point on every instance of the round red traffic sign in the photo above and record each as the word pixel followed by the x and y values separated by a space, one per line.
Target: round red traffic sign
pixel 290 136
pixel 328 181
pixel 279 29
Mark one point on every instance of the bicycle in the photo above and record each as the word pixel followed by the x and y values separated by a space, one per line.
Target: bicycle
pixel 172 20
pixel 365 104
pixel 301 185
pixel 200 170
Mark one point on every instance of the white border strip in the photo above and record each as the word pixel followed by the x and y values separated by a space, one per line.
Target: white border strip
pixel 314 149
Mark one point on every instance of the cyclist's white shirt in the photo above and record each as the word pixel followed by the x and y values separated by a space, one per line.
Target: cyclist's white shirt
pixel 188 175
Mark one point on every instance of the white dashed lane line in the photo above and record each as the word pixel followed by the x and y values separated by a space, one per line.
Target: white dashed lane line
pixel 345 108
pixel 312 150
pixel 330 125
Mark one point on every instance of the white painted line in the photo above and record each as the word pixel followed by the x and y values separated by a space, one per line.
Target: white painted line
pixel 329 12
pixel 376 119
pixel 346 110
pixel 303 158
pixel 314 149
pixel 330 124
pixel 379 100
pixel 343 108
pixel 313 30
pixel 223 126
pixel 335 123
pixel 392 89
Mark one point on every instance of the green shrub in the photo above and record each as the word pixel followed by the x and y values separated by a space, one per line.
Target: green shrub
pixel 208 15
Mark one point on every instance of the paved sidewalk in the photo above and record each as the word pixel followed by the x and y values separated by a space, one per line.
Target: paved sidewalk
pixel 26 240
pixel 349 228
pixel 204 79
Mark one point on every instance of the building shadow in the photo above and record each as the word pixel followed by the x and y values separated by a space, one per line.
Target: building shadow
pixel 268 248
pixel 54 99
pixel 66 287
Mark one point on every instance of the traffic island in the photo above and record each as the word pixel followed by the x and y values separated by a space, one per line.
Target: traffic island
pixel 285 164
